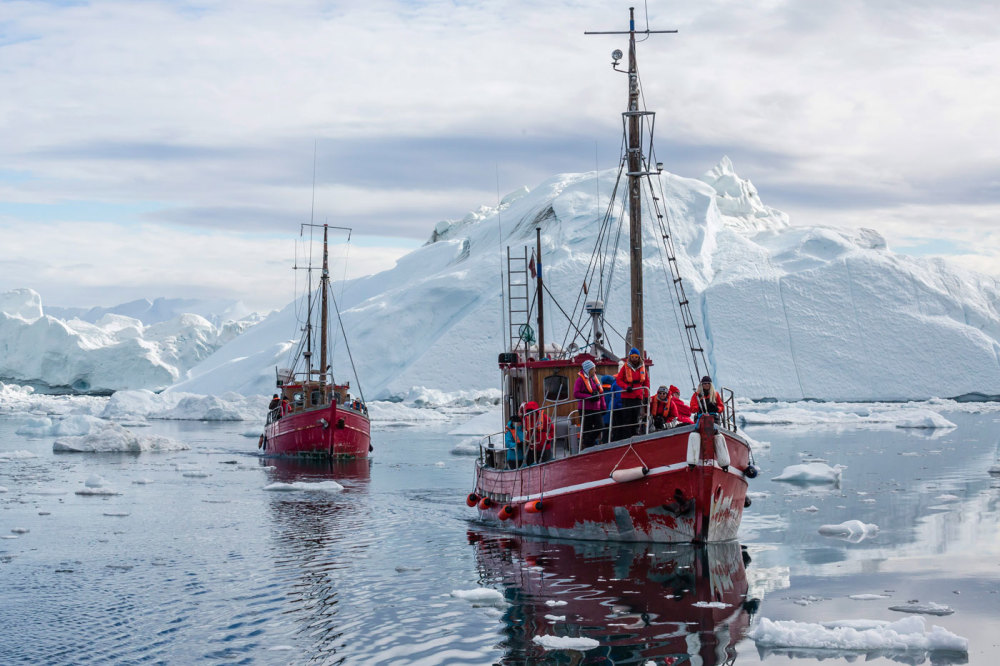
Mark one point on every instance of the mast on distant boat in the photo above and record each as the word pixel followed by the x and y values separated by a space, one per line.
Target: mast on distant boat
pixel 632 119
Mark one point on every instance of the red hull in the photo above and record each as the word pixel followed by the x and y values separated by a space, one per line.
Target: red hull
pixel 674 502
pixel 331 431
pixel 637 600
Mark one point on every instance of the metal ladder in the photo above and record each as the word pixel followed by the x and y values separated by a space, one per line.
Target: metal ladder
pixel 518 299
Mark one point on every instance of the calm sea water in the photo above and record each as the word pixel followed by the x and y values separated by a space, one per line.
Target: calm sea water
pixel 199 564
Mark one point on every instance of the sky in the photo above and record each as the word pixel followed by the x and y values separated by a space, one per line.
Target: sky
pixel 171 148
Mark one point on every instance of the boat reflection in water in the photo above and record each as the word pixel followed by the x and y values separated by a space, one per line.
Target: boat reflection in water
pixel 315 545
pixel 347 472
pixel 675 603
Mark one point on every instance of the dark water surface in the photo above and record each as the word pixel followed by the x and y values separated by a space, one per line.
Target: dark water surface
pixel 200 564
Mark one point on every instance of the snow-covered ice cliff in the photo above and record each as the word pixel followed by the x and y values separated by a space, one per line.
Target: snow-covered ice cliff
pixel 788 312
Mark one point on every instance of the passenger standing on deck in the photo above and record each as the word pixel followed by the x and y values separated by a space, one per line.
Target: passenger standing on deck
pixel 678 408
pixel 285 406
pixel 707 399
pixel 634 380
pixel 659 408
pixel 513 439
pixel 538 434
pixel 275 402
pixel 590 393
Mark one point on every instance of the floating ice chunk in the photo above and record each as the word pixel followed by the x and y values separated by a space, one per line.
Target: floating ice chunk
pixel 854 531
pixel 467 447
pixel 439 464
pixel 710 604
pixel 325 486
pixel 553 602
pixel 107 437
pixel 868 597
pixel 861 635
pixel 104 490
pixel 196 474
pixel 808 509
pixel 555 618
pixel 929 608
pixel 947 498
pixel 566 643
pixel 480 595
pixel 95 481
pixel 812 472
pixel 142 482
pixel 73 425
pixel 117 514
pixel 20 530
pixel 7 456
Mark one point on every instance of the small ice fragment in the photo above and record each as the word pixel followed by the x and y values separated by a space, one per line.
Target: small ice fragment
pixel 20 530
pixel 930 608
pixel 327 486
pixel 854 531
pixel 196 475
pixel 868 597
pixel 710 604
pixel 555 618
pixel 479 595
pixel 566 643
pixel 552 602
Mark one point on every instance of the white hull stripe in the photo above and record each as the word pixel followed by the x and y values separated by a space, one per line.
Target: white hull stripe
pixel 656 471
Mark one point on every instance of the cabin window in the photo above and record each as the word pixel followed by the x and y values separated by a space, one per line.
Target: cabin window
pixel 556 388
pixel 315 397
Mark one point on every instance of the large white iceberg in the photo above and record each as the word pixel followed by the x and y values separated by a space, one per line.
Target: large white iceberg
pixel 784 312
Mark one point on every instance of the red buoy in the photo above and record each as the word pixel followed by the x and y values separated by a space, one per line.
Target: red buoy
pixel 506 512
pixel 472 499
pixel 485 503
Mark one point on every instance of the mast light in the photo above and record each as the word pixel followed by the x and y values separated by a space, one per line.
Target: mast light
pixel 616 55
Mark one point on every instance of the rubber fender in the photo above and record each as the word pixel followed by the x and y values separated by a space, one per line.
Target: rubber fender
pixel 721 450
pixel 750 472
pixel 630 474
pixel 746 502
pixel 260 442
pixel 506 512
pixel 485 503
pixel 694 448
pixel 472 499
pixel 534 506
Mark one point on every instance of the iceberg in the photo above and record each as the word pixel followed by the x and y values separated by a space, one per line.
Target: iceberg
pixel 786 312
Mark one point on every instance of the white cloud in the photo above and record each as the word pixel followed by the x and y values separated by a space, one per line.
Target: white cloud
pixel 206 115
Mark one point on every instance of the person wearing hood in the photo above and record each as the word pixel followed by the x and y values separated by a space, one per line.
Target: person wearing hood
pixel 589 391
pixel 513 439
pixel 659 409
pixel 538 433
pixel 634 380
pixel 707 399
pixel 678 408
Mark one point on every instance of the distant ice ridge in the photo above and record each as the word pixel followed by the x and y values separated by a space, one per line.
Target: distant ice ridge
pixel 107 353
pixel 785 312
pixel 855 415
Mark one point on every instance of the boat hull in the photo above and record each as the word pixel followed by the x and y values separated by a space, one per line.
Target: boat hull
pixel 673 501
pixel 330 432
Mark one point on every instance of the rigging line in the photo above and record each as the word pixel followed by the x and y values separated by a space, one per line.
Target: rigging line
pixel 347 345
pixel 571 323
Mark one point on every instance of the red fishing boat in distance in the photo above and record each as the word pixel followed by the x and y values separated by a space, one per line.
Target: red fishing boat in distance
pixel 589 468
pixel 312 415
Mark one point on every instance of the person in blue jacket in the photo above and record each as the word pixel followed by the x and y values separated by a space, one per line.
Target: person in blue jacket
pixel 513 439
pixel 613 397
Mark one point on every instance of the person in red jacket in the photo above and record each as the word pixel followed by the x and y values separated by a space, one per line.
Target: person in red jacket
pixel 706 399
pixel 634 380
pixel 538 434
pixel 678 408
pixel 659 408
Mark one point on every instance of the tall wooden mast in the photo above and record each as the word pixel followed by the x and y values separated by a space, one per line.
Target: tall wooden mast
pixel 633 118
pixel 324 283
pixel 634 191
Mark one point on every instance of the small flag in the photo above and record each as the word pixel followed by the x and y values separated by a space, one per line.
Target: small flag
pixel 531 266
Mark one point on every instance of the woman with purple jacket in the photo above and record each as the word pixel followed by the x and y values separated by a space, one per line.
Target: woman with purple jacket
pixel 589 392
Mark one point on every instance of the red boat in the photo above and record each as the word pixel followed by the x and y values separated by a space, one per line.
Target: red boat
pixel 650 480
pixel 315 416
pixel 641 602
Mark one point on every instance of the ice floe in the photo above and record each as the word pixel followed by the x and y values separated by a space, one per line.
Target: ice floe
pixel 566 642
pixel 480 595
pixel 928 608
pixel 854 531
pixel 108 437
pixel 299 486
pixel 811 472
pixel 857 635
